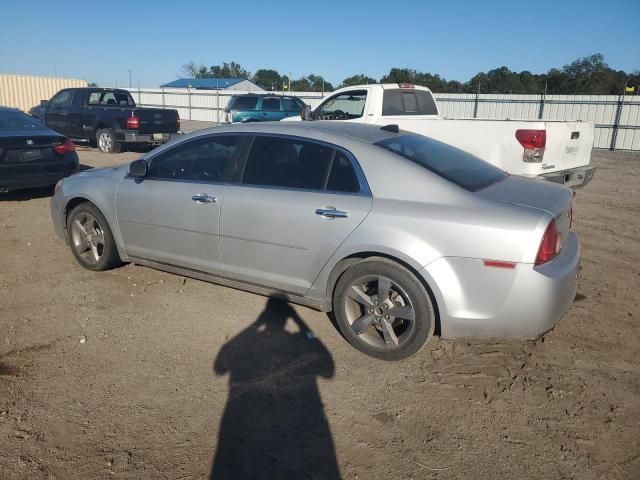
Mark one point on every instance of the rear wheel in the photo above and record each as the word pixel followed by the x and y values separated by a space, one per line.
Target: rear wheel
pixel 106 140
pixel 383 310
pixel 90 238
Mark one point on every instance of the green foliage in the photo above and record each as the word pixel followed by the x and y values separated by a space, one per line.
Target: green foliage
pixel 588 75
pixel 92 84
pixel 226 70
pixel 359 79
pixel 267 79
pixel 311 83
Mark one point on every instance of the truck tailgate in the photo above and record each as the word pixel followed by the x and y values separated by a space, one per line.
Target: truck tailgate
pixel 568 146
pixel 157 120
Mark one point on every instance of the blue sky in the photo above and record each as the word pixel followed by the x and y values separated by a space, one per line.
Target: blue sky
pixel 101 41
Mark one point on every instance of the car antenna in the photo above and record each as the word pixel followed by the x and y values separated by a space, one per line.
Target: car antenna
pixel 393 128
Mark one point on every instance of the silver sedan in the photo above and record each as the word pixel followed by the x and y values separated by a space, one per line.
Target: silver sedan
pixel 400 236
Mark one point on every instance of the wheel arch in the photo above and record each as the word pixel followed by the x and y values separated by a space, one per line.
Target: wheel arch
pixel 343 265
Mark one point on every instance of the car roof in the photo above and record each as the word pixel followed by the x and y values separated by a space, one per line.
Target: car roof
pixel 319 129
pixel 9 109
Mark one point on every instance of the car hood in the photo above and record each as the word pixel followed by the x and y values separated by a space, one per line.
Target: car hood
pixel 528 192
pixel 114 171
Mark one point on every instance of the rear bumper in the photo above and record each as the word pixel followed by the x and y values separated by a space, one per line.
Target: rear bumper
pixel 475 301
pixel 572 178
pixel 133 137
pixel 20 177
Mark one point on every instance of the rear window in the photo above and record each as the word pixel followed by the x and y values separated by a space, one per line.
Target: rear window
pixel 244 103
pixel 408 102
pixel 450 163
pixel 111 98
pixel 18 121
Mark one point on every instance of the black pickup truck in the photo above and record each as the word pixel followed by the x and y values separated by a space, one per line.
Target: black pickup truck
pixel 106 117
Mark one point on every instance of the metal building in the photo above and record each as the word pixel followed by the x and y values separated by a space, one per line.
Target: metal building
pixel 214 84
pixel 25 91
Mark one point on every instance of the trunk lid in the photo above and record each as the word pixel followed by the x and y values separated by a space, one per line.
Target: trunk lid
pixel 538 194
pixel 568 146
pixel 21 147
pixel 157 120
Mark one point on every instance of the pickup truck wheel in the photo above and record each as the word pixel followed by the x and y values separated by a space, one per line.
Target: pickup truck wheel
pixel 107 143
pixel 383 310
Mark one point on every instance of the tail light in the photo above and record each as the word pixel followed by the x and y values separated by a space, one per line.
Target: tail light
pixel 533 142
pixel 550 245
pixel 133 123
pixel 178 120
pixel 66 147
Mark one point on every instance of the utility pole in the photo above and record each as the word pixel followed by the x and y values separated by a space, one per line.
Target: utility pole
pixel 129 78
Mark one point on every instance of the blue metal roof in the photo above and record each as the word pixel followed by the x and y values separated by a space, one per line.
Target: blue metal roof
pixel 203 83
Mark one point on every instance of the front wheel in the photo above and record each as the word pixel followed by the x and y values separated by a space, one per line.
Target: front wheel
pixel 90 238
pixel 383 310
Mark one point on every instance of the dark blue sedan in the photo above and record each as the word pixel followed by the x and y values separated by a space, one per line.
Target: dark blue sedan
pixel 32 155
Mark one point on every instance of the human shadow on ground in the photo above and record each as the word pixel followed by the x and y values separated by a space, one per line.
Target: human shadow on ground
pixel 274 426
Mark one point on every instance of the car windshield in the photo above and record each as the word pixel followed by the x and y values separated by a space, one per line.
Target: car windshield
pixel 17 121
pixel 453 164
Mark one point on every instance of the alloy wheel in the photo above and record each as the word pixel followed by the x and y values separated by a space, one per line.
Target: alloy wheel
pixel 380 312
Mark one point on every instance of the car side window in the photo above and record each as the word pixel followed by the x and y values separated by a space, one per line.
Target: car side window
pixel 343 177
pixel 244 103
pixel 62 99
pixel 204 160
pixel 291 105
pixel 270 104
pixel 343 106
pixel 285 162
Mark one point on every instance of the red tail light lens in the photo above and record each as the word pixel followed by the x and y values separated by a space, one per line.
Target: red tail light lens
pixel 133 123
pixel 550 244
pixel 178 120
pixel 532 138
pixel 533 142
pixel 66 147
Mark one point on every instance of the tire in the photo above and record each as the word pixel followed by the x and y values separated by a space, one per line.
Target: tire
pixel 90 238
pixel 369 324
pixel 106 140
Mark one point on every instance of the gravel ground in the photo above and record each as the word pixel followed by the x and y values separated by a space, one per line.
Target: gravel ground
pixel 135 373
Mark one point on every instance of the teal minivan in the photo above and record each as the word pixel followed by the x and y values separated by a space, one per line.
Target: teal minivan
pixel 262 107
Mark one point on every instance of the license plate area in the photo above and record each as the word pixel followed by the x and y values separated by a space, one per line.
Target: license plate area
pixel 31 155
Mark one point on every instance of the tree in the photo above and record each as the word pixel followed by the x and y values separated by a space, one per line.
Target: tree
pixel 229 70
pixel 92 84
pixel 192 70
pixel 359 79
pixel 311 83
pixel 268 79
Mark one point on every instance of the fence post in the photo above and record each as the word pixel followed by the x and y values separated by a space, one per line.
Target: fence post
pixel 475 107
pixel 139 95
pixel 616 123
pixel 163 103
pixel 541 109
pixel 189 97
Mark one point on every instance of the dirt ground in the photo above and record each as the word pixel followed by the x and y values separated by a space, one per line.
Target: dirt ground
pixel 135 373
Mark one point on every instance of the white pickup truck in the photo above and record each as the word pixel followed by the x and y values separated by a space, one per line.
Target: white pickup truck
pixel 559 151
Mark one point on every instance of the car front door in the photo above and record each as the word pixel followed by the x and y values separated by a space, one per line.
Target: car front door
pixel 56 114
pixel 295 202
pixel 173 214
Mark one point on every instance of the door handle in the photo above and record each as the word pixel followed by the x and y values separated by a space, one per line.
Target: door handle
pixel 331 212
pixel 203 198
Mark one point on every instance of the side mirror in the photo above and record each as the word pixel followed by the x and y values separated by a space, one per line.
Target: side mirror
pixel 44 103
pixel 305 113
pixel 138 169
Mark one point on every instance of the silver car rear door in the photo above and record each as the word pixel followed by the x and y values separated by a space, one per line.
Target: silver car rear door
pixel 294 204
